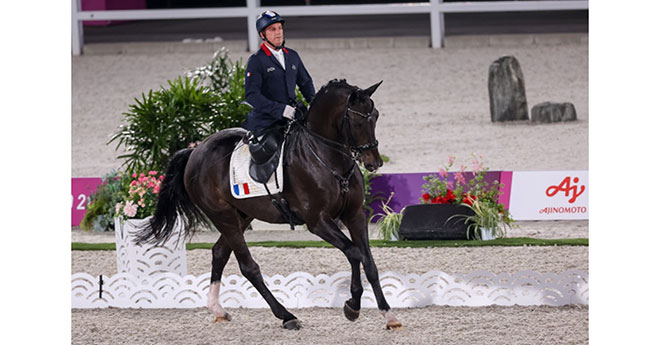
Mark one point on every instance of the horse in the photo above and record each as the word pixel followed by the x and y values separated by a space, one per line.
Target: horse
pixel 323 186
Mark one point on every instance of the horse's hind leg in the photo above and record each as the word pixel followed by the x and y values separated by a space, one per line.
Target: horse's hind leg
pixel 229 224
pixel 357 226
pixel 329 231
pixel 221 253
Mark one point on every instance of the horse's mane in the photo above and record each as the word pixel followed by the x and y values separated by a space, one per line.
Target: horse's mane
pixel 332 84
pixel 336 83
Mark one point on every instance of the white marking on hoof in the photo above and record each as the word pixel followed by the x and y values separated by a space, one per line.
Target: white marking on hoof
pixel 213 303
pixel 392 322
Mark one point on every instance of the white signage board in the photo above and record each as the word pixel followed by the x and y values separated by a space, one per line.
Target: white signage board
pixel 546 195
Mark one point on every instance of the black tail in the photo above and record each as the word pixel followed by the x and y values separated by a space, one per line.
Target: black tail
pixel 173 200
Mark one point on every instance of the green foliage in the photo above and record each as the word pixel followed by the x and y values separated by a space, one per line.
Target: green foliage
pixel 182 114
pixel 165 121
pixel 389 222
pixel 488 214
pixel 227 79
pixel 101 207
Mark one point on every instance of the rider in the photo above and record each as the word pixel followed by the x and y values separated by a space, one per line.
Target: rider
pixel 271 76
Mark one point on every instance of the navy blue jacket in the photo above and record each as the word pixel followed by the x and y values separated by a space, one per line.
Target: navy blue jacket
pixel 268 87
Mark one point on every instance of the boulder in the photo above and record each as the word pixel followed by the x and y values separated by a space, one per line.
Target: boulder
pixel 548 112
pixel 506 90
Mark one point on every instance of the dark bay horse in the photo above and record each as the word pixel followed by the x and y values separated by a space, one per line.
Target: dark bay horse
pixel 322 184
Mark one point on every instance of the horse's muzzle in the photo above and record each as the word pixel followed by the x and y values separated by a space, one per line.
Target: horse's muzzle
pixel 372 161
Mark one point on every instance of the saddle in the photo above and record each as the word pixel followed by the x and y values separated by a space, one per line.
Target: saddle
pixel 265 151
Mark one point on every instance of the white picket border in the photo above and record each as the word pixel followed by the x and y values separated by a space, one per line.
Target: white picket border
pixel 300 289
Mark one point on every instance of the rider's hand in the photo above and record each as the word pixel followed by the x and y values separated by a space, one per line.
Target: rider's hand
pixel 289 112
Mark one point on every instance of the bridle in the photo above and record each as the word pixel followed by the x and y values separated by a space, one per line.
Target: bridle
pixel 354 147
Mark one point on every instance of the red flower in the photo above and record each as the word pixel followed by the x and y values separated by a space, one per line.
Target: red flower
pixel 426 197
pixel 450 197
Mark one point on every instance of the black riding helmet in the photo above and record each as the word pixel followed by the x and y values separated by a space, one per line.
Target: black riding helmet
pixel 266 19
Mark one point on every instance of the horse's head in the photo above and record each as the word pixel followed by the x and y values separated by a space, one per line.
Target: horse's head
pixel 347 115
pixel 360 122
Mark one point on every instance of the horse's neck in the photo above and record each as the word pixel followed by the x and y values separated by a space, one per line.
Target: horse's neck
pixel 325 119
pixel 323 126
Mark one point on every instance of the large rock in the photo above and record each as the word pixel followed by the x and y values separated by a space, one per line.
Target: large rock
pixel 548 112
pixel 506 89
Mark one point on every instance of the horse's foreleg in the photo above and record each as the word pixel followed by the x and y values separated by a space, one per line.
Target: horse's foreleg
pixel 221 253
pixel 328 231
pixel 360 235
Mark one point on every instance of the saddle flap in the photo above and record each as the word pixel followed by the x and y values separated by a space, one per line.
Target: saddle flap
pixel 262 172
pixel 262 149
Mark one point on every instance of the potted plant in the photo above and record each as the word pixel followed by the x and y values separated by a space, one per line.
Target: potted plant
pixel 133 213
pixel 489 221
pixel 447 207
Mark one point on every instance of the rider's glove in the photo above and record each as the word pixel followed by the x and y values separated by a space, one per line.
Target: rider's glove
pixel 289 112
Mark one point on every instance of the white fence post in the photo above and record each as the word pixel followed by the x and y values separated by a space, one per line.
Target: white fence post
pixel 437 25
pixel 76 29
pixel 252 13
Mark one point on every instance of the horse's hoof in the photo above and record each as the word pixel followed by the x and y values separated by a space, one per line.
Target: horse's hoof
pixel 293 324
pixel 223 318
pixel 350 313
pixel 394 324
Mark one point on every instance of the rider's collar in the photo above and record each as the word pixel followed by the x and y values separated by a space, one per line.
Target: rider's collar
pixel 268 50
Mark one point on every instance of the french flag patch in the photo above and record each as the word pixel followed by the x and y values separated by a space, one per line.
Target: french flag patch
pixel 242 189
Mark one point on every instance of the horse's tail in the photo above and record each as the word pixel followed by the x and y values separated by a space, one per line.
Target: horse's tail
pixel 172 201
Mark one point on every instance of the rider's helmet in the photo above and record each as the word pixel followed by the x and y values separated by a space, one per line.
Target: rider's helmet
pixel 268 18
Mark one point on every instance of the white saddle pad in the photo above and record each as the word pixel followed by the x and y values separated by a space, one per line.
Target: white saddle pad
pixel 241 184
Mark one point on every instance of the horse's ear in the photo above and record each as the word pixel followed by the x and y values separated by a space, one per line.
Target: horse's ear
pixel 371 89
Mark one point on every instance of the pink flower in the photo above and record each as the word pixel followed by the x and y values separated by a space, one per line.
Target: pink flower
pixel 117 208
pixel 134 175
pixel 443 173
pixel 157 189
pixel 161 177
pixel 130 210
pixel 476 166
pixel 451 160
pixel 152 172
pixel 141 174
pixel 460 178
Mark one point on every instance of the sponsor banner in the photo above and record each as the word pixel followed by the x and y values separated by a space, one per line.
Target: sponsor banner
pixel 81 188
pixel 541 195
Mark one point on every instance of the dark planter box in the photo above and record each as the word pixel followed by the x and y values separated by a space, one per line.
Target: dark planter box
pixel 431 222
